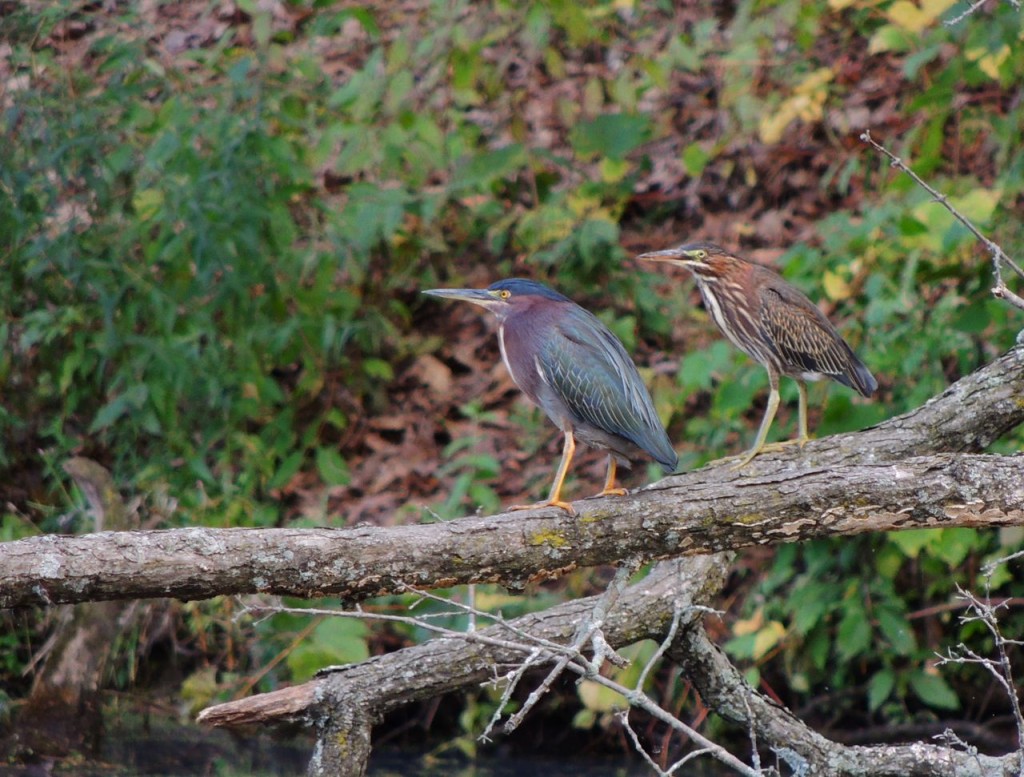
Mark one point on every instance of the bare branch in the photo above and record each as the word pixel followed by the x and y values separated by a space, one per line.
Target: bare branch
pixel 999 257
pixel 588 628
pixel 974 6
pixel 1000 668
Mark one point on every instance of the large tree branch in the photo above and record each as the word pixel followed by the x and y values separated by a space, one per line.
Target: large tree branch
pixel 700 512
pixel 355 697
pixel 845 484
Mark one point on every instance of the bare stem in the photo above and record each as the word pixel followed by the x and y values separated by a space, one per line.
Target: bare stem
pixel 999 257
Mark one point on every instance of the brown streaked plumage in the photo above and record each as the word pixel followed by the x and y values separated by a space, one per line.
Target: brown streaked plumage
pixel 774 323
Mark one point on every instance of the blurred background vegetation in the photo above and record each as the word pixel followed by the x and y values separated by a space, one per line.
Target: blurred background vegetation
pixel 216 219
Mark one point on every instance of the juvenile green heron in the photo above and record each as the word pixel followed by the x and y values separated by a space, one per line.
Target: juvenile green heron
pixel 772 322
pixel 571 366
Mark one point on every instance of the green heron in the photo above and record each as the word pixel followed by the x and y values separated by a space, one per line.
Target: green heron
pixel 569 364
pixel 774 323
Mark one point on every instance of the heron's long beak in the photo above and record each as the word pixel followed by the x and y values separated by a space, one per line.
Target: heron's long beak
pixel 669 256
pixel 482 297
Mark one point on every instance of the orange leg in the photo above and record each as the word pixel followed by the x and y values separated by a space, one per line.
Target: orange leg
pixel 554 498
pixel 609 481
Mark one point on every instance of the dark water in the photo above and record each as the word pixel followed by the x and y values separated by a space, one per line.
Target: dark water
pixel 171 750
pixel 397 764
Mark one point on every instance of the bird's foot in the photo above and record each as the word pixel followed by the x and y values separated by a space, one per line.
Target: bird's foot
pixel 779 446
pixel 769 447
pixel 611 492
pixel 743 459
pixel 546 503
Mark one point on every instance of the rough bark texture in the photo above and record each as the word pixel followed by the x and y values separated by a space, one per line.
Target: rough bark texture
pixel 699 512
pixel 383 683
pixel 724 690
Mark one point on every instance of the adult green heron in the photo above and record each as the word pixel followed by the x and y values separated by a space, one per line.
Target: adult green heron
pixel 571 366
pixel 774 323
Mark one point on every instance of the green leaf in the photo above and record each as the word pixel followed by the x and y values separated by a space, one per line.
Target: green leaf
pixel 880 687
pixel 954 544
pixel 897 630
pixel 334 641
pixel 286 471
pixel 378 368
pixel 974 319
pixel 741 647
pixel 124 403
pixel 695 159
pixel 854 634
pixel 612 135
pixel 810 602
pixel 912 541
pixel 482 170
pixel 332 467
pixel 933 690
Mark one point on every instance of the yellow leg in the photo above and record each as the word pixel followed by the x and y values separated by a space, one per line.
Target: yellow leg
pixel 554 498
pixel 803 436
pixel 769 415
pixel 609 481
pixel 766 422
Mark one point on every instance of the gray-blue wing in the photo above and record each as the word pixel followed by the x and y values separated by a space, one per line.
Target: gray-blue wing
pixel 589 370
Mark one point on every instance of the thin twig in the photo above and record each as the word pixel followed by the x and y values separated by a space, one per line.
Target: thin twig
pixel 644 702
pixel 999 257
pixel 537 651
pixel 510 687
pixel 971 9
pixel 624 718
pixel 1000 668
pixel 585 631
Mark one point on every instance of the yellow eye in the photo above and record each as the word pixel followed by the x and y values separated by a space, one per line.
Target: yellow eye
pixel 504 293
pixel 702 254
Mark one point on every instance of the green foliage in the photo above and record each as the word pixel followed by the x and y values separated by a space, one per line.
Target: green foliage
pixel 202 253
pixel 334 641
pixel 840 621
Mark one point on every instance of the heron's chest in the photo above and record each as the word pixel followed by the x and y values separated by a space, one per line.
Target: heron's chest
pixel 522 345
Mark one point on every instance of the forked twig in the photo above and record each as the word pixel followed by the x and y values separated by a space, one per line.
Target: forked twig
pixel 1000 668
pixel 588 630
pixel 999 257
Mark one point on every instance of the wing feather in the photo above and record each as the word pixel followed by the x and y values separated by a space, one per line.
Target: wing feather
pixel 802 337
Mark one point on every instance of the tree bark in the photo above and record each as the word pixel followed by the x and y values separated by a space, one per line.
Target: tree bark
pixel 381 684
pixel 699 512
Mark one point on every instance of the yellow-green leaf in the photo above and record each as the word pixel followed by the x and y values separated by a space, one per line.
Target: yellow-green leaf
pixel 836 287
pixel 599 698
pixel 806 104
pixel 989 61
pixel 889 37
pixel 750 625
pixel 147 203
pixel 614 170
pixel 768 637
pixel 913 18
